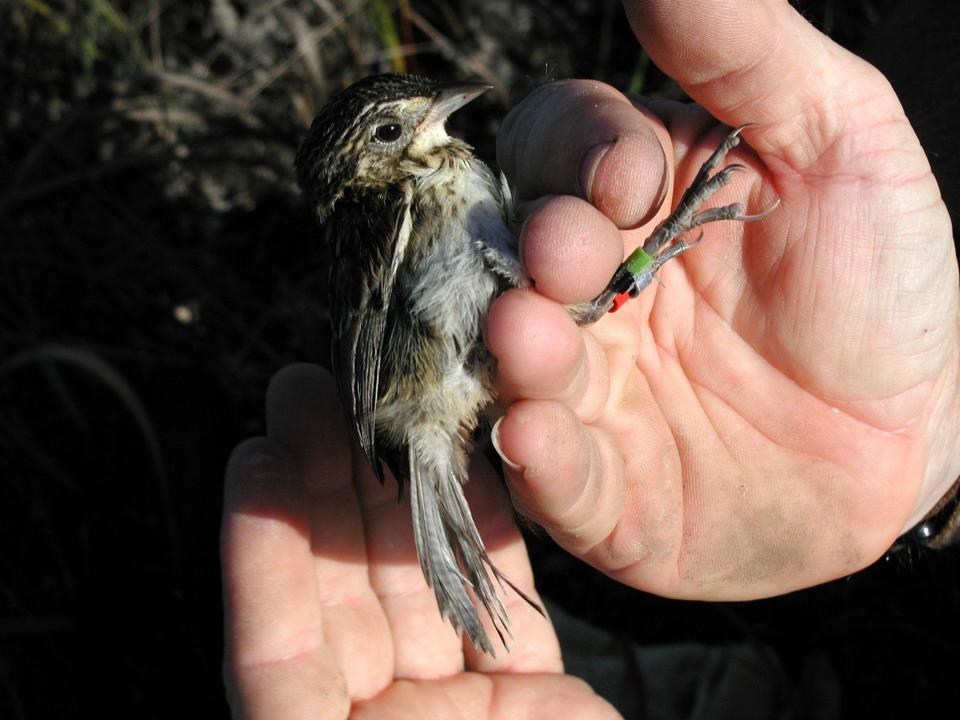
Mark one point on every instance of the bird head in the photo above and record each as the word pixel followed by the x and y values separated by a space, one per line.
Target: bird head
pixel 375 133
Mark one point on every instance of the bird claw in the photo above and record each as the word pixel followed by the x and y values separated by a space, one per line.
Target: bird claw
pixel 638 270
pixel 760 215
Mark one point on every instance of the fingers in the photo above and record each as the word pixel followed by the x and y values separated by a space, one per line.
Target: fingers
pixel 379 618
pixel 425 646
pixel 276 665
pixel 570 249
pixel 612 156
pixel 379 613
pixel 566 476
pixel 759 62
pixel 303 414
pixel 542 354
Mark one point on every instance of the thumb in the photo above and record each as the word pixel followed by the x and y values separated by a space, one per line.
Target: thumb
pixel 760 62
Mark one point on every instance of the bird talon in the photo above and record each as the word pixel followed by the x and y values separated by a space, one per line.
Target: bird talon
pixel 760 215
pixel 732 168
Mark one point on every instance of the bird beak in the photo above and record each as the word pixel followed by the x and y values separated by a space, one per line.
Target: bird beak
pixel 450 98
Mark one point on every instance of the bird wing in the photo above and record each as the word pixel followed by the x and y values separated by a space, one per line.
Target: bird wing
pixel 367 254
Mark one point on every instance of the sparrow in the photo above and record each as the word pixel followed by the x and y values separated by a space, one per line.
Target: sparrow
pixel 419 237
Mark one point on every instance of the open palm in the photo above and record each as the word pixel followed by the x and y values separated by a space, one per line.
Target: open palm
pixel 784 404
pixel 327 612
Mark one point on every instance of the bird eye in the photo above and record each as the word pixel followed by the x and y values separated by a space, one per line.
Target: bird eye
pixel 388 133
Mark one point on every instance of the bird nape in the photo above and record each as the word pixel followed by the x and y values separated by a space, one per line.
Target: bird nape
pixel 419 239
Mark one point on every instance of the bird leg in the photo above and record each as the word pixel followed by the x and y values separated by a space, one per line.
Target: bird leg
pixel 639 269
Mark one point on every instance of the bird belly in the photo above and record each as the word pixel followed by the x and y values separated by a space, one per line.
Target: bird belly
pixel 441 373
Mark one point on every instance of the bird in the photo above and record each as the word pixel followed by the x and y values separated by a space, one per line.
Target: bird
pixel 419 238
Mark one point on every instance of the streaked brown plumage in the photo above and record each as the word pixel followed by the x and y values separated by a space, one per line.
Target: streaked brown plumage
pixel 419 246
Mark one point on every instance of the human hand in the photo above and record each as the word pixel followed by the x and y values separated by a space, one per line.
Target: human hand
pixel 327 613
pixel 786 404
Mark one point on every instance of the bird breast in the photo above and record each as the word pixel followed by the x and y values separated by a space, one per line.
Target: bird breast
pixel 457 214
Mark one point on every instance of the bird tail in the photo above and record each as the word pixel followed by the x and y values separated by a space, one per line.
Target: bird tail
pixel 451 552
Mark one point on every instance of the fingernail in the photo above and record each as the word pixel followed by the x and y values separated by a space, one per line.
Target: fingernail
pixel 588 168
pixel 495 441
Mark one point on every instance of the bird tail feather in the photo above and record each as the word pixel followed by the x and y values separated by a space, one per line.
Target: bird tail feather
pixel 452 555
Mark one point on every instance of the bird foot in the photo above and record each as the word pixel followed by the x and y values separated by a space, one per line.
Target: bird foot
pixel 638 270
